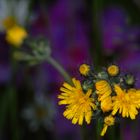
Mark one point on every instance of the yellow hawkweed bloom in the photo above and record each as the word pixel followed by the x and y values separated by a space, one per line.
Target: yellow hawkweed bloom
pixel 84 69
pixel 135 97
pixel 113 70
pixel 79 104
pixel 9 22
pixel 106 104
pixel 16 35
pixel 108 121
pixel 126 102
pixel 103 89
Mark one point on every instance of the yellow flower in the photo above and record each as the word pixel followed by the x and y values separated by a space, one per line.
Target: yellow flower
pixel 84 69
pixel 113 70
pixel 103 89
pixel 16 35
pixel 106 104
pixel 9 22
pixel 135 97
pixel 79 104
pixel 108 121
pixel 126 102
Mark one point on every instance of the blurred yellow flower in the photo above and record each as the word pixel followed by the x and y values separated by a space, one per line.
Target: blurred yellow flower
pixel 106 104
pixel 84 69
pixel 113 70
pixel 126 102
pixel 108 121
pixel 103 89
pixel 79 104
pixel 16 35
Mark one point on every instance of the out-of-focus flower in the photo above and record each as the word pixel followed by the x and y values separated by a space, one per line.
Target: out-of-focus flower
pixel 79 104
pixel 38 51
pixel 103 89
pixel 84 69
pixel 125 103
pixel 113 70
pixel 13 16
pixel 40 113
pixel 13 12
pixel 16 35
pixel 108 121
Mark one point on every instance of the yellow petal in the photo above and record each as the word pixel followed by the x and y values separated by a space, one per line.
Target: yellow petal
pixel 66 85
pixel 104 130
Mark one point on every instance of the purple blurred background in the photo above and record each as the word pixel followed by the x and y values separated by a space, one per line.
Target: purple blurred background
pixel 67 24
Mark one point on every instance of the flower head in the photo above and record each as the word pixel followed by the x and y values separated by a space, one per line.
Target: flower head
pixel 108 121
pixel 40 113
pixel 113 70
pixel 126 102
pixel 84 69
pixel 79 104
pixel 16 35
pixel 103 89
pixel 106 104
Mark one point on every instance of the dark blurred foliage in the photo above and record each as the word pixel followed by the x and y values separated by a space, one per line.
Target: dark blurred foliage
pixel 96 32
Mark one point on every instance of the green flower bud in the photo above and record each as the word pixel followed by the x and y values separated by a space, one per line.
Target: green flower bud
pixel 87 85
pixel 129 79
pixel 103 75
pixel 36 51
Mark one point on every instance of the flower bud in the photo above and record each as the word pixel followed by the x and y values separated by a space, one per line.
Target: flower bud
pixel 102 75
pixel 113 70
pixel 87 85
pixel 84 69
pixel 129 79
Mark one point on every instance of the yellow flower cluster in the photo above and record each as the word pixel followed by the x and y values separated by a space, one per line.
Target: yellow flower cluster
pixel 125 102
pixel 108 96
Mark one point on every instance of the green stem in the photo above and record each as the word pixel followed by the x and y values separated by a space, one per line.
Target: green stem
pixel 59 68
pixel 13 101
pixel 99 127
pixel 3 109
pixel 96 41
pixel 96 35
pixel 13 114
pixel 84 132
